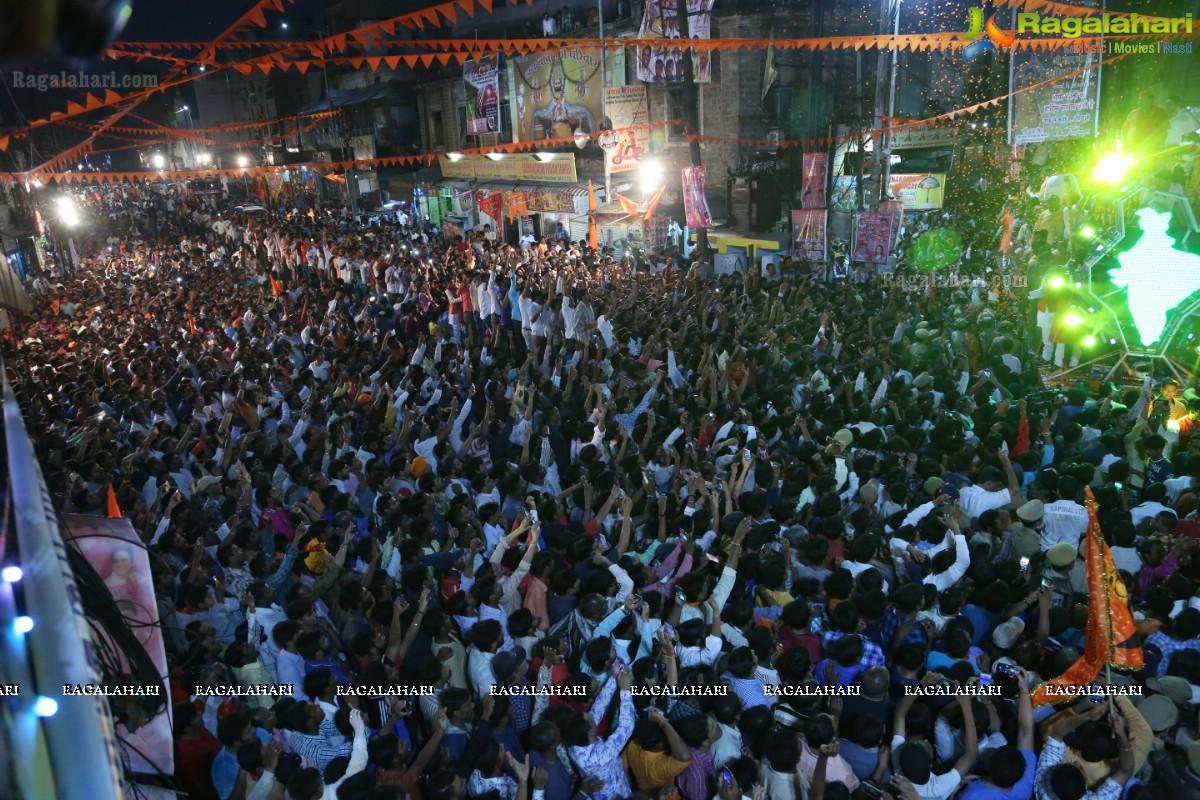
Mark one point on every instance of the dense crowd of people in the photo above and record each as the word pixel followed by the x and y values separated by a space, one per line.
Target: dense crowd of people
pixel 618 533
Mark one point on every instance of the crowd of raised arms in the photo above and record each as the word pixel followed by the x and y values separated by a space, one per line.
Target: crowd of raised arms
pixel 622 524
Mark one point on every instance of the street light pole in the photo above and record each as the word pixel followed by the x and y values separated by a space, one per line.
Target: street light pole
pixel 891 106
pixel 691 108
pixel 604 103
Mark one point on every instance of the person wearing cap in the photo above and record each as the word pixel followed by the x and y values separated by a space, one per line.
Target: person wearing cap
pixel 1056 779
pixel 509 668
pixel 1065 573
pixel 1027 531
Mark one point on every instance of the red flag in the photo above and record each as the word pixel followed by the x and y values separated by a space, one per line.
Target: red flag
pixel 1111 634
pixel 192 324
pixel 276 289
pixel 114 510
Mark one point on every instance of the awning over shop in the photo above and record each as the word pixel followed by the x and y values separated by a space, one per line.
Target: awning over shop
pixel 350 97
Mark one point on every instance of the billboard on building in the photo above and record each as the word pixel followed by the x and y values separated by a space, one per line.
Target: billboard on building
pixel 664 64
pixel 556 94
pixel 482 80
pixel 627 108
pixel 922 191
pixel 1060 108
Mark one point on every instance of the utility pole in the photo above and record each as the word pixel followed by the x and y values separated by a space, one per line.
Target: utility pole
pixel 691 106
pixel 881 72
pixel 608 195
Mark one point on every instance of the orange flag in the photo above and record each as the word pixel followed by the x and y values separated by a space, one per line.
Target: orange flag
pixel 593 234
pixel 192 324
pixel 652 206
pixel 276 289
pixel 1111 634
pixel 629 207
pixel 114 510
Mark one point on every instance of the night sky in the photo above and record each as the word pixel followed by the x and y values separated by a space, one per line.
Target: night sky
pixel 161 20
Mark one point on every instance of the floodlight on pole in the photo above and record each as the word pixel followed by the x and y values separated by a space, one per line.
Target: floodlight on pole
pixel 67 211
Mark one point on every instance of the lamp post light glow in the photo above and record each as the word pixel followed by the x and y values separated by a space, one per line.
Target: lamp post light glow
pixel 651 175
pixel 158 161
pixel 11 574
pixel 1057 282
pixel 67 211
pixel 1087 231
pixel 1073 320
pixel 1089 341
pixel 23 625
pixel 243 162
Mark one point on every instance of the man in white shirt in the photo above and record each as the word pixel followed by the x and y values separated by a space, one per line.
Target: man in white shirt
pixel 914 760
pixel 1064 519
pixel 990 492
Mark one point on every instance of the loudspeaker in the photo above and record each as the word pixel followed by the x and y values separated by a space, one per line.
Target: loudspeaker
pixel 738 202
pixel 764 203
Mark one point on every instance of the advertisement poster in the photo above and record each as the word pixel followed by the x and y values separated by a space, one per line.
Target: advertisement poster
pixel 627 108
pixel 872 237
pixel 664 64
pixel 695 204
pixel 655 234
pixel 1064 109
pixel 558 93
pixel 808 234
pixel 114 550
pixel 919 191
pixel 482 79
pixel 550 202
pixel 894 209
pixel 514 168
pixel 845 193
pixel 816 170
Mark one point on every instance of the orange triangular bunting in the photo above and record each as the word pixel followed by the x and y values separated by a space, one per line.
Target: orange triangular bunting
pixel 303 66
pixel 392 61
pixel 374 63
pixel 114 510
pixel 257 17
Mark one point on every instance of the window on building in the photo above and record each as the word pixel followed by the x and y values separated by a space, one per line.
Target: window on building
pixel 437 129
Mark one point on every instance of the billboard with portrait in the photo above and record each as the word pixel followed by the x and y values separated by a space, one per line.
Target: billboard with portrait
pixel 556 94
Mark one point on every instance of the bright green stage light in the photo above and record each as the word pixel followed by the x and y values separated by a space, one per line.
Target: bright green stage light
pixel 1073 320
pixel 1057 282
pixel 1087 231
pixel 1089 341
pixel 1112 168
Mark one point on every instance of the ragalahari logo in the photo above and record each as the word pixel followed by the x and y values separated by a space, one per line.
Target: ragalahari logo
pixel 996 38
